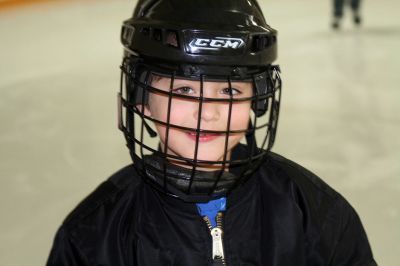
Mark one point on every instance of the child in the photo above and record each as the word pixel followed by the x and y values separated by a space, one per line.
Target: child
pixel 206 191
pixel 338 6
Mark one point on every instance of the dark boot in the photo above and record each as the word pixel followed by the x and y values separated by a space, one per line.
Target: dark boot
pixel 355 6
pixel 337 13
pixel 336 23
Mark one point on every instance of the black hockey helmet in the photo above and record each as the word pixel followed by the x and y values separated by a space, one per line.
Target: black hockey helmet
pixel 197 40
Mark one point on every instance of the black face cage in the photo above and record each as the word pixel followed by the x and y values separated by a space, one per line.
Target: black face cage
pixel 181 177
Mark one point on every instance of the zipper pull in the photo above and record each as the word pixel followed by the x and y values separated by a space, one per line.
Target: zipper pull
pixel 218 256
pixel 217 248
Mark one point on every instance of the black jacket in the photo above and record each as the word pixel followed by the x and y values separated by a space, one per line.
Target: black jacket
pixel 284 215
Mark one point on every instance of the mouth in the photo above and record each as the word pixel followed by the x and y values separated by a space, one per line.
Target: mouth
pixel 203 137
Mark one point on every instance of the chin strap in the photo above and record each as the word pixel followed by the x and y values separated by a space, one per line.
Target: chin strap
pixel 180 182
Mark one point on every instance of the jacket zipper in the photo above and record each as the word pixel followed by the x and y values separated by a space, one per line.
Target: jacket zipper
pixel 217 240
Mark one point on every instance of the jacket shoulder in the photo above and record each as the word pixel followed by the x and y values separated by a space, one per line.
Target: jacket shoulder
pixel 108 192
pixel 329 220
pixel 317 201
pixel 299 175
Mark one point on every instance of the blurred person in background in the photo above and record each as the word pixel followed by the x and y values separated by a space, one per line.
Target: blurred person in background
pixel 338 7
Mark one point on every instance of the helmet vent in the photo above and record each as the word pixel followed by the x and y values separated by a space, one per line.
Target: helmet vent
pixel 145 31
pixel 167 37
pixel 127 35
pixel 157 35
pixel 172 39
pixel 261 42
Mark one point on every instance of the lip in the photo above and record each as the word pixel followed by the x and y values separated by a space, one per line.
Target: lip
pixel 204 137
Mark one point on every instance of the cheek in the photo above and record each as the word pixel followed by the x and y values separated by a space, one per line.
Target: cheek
pixel 158 106
pixel 240 116
pixel 178 116
pixel 159 109
pixel 181 113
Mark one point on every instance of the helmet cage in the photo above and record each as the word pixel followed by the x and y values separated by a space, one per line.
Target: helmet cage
pixel 164 170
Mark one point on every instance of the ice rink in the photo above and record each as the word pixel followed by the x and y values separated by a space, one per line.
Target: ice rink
pixel 59 77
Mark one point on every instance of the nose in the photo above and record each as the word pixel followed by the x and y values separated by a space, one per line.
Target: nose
pixel 210 111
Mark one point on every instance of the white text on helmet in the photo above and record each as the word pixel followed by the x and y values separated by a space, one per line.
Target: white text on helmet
pixel 216 43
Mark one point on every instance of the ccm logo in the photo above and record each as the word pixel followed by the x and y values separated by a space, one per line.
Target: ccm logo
pixel 215 43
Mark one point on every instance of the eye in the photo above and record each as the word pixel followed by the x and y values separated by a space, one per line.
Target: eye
pixel 229 91
pixel 183 90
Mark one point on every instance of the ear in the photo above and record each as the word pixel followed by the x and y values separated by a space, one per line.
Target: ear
pixel 145 108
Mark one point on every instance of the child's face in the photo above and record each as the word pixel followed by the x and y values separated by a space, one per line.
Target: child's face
pixel 214 116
